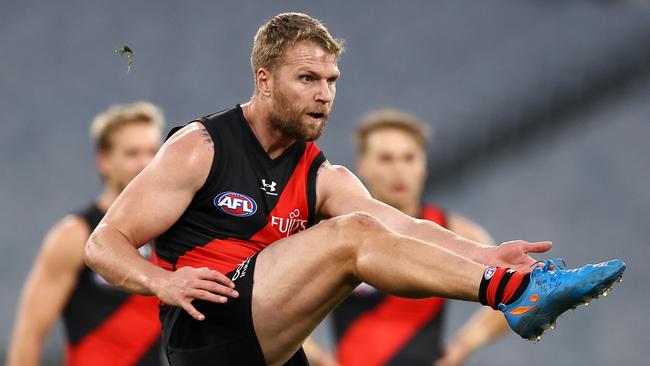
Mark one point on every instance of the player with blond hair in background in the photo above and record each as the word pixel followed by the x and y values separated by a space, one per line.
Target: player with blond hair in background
pixel 103 325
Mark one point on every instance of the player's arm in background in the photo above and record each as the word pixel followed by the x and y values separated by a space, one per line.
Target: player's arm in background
pixel 485 325
pixel 148 206
pixel 317 355
pixel 47 289
pixel 340 192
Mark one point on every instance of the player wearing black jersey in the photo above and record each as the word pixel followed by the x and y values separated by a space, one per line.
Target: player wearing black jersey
pixel 104 325
pixel 249 181
pixel 373 328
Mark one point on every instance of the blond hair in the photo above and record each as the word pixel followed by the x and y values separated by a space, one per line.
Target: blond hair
pixel 106 123
pixel 285 30
pixel 391 119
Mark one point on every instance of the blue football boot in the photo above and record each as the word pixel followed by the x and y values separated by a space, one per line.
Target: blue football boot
pixel 553 290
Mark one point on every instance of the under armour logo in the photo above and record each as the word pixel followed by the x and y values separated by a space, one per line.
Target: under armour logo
pixel 269 188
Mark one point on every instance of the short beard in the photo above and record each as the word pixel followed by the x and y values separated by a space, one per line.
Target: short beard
pixel 286 118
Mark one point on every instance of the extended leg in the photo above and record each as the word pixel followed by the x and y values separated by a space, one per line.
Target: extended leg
pixel 300 279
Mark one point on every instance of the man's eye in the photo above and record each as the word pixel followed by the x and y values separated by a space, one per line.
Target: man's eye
pixel 307 78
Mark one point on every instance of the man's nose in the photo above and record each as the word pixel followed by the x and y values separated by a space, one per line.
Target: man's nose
pixel 324 93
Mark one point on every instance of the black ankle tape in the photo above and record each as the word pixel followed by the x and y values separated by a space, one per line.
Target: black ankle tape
pixel 482 290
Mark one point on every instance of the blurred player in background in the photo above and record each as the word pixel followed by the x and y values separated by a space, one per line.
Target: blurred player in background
pixel 373 328
pixel 104 326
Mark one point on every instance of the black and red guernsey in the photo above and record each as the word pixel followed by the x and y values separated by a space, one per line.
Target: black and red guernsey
pixel 248 201
pixel 375 329
pixel 107 326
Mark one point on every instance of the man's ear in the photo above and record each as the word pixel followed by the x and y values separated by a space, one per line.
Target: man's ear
pixel 362 168
pixel 101 161
pixel 264 82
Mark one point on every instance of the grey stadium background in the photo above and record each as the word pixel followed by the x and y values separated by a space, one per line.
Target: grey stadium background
pixel 541 111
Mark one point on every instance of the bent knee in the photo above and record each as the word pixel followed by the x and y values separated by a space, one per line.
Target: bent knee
pixel 347 234
pixel 357 224
pixel 364 220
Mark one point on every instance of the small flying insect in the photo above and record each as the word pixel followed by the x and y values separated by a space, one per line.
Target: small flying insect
pixel 129 54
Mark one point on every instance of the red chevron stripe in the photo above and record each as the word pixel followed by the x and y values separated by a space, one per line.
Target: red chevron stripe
pixel 224 255
pixel 378 335
pixel 122 339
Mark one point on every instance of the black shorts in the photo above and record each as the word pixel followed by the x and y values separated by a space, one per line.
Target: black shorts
pixel 225 337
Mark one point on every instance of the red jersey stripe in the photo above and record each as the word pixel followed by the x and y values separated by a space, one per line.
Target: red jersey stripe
pixel 122 339
pixel 289 216
pixel 390 330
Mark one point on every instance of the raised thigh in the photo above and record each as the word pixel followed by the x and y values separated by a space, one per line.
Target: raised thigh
pixel 297 282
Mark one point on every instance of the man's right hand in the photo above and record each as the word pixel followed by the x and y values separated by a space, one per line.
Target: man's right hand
pixel 181 287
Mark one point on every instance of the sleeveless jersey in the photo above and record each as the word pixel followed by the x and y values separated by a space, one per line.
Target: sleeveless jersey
pixel 375 329
pixel 107 326
pixel 248 201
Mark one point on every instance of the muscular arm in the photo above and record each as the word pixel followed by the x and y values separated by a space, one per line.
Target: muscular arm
pixel 52 279
pixel 149 206
pixel 316 354
pixel 339 192
pixel 486 324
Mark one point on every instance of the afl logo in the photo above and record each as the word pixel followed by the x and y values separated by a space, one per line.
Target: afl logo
pixel 489 273
pixel 235 204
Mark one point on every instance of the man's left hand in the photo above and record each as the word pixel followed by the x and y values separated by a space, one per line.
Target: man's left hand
pixel 514 254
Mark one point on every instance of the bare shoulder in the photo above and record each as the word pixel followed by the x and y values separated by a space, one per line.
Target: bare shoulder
pixel 71 228
pixel 64 243
pixel 335 185
pixel 191 139
pixel 328 171
pixel 468 228
pixel 154 200
pixel 190 150
pixel 336 178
